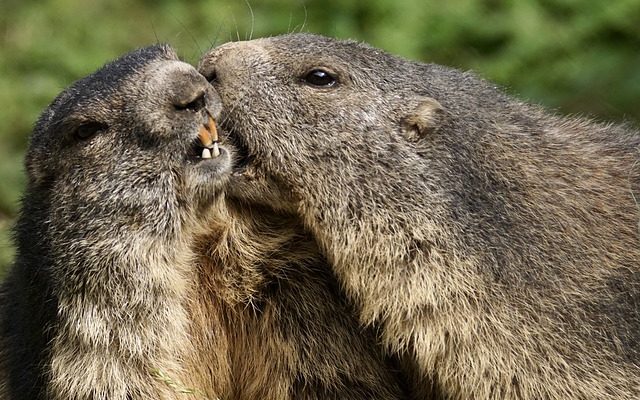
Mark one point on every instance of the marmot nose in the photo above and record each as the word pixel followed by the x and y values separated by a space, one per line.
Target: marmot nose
pixel 194 101
pixel 197 95
pixel 190 91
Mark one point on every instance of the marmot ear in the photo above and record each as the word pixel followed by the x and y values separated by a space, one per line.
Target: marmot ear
pixel 424 119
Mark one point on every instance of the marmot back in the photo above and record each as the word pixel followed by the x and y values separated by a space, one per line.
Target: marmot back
pixel 496 245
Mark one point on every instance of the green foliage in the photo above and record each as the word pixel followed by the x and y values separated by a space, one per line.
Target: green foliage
pixel 578 56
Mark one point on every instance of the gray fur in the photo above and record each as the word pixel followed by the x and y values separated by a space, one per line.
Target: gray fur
pixel 135 280
pixel 495 245
pixel 96 300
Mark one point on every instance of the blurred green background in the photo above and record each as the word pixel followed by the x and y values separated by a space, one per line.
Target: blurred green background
pixel 575 56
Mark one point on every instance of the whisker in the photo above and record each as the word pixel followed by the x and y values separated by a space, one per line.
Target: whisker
pixel 253 20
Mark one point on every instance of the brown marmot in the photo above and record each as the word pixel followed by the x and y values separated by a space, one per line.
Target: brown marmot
pixel 495 245
pixel 133 280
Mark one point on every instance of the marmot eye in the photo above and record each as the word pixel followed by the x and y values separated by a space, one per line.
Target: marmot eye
pixel 319 77
pixel 88 129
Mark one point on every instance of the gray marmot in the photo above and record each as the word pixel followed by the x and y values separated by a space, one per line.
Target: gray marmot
pixel 495 246
pixel 133 280
pixel 96 299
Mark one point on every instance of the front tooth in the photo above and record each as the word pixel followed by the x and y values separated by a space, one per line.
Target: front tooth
pixel 205 136
pixel 212 129
pixel 206 153
pixel 216 149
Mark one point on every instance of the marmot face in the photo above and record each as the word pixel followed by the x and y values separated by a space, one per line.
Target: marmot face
pixel 131 139
pixel 494 243
pixel 304 103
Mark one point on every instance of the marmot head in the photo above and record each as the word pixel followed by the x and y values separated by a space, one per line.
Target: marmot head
pixel 304 107
pixel 130 143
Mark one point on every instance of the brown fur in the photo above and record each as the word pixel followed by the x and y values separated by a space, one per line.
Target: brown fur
pixel 274 318
pixel 496 246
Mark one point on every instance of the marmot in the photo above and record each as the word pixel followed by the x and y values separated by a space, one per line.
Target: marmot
pixel 96 299
pixel 495 245
pixel 133 280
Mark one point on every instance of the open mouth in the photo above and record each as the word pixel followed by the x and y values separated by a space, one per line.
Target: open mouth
pixel 206 145
pixel 210 148
pixel 208 161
